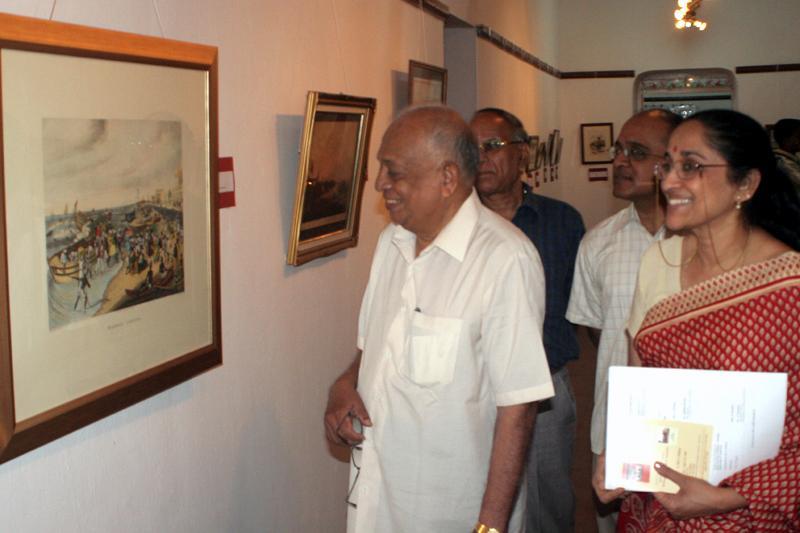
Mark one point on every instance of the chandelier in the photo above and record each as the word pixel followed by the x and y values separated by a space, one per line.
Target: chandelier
pixel 686 15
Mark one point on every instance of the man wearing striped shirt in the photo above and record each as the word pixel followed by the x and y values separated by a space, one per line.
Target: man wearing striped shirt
pixel 609 256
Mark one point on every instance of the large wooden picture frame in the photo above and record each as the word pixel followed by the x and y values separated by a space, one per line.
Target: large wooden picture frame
pixel 427 84
pixel 596 141
pixel 109 252
pixel 330 175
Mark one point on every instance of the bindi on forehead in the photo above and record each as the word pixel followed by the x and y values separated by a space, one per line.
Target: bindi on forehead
pixel 674 149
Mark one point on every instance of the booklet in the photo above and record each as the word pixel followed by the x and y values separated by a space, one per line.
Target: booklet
pixel 704 423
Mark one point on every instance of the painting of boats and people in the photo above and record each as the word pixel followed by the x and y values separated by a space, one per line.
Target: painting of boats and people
pixel 331 171
pixel 114 215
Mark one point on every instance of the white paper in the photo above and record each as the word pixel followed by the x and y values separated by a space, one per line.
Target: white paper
pixel 745 411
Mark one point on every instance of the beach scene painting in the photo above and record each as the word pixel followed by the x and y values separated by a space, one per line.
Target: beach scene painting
pixel 113 193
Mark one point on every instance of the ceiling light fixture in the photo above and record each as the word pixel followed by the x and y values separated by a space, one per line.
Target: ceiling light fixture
pixel 686 15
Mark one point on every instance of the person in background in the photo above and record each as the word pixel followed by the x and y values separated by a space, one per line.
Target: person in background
pixel 787 136
pixel 609 256
pixel 451 363
pixel 724 294
pixel 555 228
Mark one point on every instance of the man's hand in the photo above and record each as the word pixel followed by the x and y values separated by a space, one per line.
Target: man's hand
pixel 345 406
pixel 696 497
pixel 599 482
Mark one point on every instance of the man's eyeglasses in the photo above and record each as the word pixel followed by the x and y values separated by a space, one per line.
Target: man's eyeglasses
pixel 353 450
pixel 686 169
pixel 634 153
pixel 495 144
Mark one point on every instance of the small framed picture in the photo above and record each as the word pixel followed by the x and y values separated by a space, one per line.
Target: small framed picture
pixel 427 84
pixel 596 140
pixel 330 176
pixel 533 159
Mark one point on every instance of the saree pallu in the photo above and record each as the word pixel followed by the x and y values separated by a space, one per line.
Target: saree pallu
pixel 747 319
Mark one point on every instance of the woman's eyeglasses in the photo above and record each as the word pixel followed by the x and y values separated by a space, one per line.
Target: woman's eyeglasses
pixel 686 169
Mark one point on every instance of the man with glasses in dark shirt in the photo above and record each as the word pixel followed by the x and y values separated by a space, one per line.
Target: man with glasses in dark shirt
pixel 556 230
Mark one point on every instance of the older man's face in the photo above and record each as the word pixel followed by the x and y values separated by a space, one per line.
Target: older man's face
pixel 500 168
pixel 410 179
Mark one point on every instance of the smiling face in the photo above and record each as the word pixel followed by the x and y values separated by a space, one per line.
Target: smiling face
pixel 499 170
pixel 411 179
pixel 644 133
pixel 706 195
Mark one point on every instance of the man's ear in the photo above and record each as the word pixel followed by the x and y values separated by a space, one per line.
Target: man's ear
pixel 451 178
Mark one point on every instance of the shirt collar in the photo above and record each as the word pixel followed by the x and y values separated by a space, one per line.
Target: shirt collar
pixel 453 238
pixel 633 218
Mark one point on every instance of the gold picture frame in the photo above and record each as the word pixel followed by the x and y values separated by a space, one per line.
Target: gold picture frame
pixel 94 98
pixel 330 175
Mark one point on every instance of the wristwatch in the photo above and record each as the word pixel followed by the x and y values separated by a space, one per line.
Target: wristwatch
pixel 483 528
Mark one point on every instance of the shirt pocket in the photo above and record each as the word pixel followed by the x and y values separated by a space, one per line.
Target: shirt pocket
pixel 434 348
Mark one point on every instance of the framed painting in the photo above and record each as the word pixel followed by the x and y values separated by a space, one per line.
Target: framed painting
pixel 533 154
pixel 108 224
pixel 596 140
pixel 330 175
pixel 427 84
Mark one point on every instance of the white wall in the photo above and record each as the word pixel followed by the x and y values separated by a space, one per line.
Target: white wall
pixel 240 448
pixel 620 34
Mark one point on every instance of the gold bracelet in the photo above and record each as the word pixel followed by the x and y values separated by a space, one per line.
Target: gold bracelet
pixel 483 528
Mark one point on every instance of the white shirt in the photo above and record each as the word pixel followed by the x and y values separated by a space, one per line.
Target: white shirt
pixel 447 337
pixel 602 294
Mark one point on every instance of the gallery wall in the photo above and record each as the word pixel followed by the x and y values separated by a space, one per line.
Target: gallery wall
pixel 240 448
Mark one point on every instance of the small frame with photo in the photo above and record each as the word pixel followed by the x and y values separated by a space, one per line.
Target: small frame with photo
pixel 330 176
pixel 427 84
pixel 596 141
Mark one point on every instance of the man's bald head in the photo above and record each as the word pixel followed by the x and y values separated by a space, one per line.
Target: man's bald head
pixel 444 133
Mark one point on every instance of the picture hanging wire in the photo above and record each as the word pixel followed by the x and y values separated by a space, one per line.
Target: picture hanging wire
pixel 158 18
pixel 422 29
pixel 339 47
pixel 155 8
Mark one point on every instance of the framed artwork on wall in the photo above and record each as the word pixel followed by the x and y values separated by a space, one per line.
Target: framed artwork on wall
pixel 108 224
pixel 427 84
pixel 596 140
pixel 533 155
pixel 330 175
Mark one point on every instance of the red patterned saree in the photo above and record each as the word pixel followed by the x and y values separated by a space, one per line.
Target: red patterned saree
pixel 746 319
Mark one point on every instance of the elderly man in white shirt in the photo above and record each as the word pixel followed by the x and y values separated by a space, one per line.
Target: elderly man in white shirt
pixel 609 256
pixel 451 362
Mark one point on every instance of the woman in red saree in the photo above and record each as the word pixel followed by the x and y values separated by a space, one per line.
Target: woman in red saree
pixel 724 294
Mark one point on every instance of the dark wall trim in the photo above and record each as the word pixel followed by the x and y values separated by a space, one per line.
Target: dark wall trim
pixel 579 74
pixel 486 33
pixel 434 7
pixel 755 69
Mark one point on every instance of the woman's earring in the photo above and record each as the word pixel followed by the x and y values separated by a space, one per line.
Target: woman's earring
pixel 738 203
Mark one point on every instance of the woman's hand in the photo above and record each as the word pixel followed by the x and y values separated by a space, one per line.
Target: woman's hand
pixel 696 497
pixel 599 482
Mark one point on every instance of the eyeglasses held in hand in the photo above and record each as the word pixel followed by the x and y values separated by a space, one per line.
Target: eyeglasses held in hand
pixel 353 450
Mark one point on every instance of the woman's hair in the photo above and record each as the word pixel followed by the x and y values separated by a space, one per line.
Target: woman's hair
pixel 745 146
